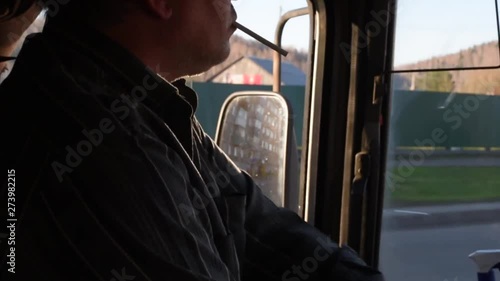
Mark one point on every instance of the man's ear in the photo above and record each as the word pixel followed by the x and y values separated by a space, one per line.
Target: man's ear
pixel 161 8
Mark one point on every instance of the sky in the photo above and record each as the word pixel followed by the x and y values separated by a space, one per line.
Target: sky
pixel 262 17
pixel 450 26
pixel 424 28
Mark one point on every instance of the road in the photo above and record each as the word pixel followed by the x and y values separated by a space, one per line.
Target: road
pixel 417 217
pixel 466 161
pixel 435 254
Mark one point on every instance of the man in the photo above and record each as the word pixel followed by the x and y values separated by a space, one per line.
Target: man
pixel 114 177
pixel 16 20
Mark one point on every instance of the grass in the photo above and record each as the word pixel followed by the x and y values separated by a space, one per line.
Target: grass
pixel 446 185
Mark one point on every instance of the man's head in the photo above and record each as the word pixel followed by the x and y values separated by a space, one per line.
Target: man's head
pixel 16 16
pixel 179 37
pixel 10 9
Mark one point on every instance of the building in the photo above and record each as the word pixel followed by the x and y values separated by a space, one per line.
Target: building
pixel 257 71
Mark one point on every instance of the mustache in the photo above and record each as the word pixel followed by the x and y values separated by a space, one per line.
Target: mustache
pixel 234 15
pixel 233 11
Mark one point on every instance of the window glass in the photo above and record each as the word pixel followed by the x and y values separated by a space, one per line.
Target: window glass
pixel 442 192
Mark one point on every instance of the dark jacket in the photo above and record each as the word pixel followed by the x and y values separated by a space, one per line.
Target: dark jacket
pixel 124 184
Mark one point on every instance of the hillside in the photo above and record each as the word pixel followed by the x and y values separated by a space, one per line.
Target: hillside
pixel 242 47
pixel 474 81
pixel 471 81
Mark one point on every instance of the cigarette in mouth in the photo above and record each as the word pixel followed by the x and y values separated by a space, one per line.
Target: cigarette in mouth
pixel 261 39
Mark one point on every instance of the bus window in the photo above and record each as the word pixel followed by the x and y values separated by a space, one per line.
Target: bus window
pixel 442 193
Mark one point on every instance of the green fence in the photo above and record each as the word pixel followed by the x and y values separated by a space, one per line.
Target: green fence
pixel 418 118
pixel 454 120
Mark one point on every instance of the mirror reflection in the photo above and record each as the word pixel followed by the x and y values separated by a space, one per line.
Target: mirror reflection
pixel 253 135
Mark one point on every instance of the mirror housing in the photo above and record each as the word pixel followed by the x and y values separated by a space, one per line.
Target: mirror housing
pixel 255 130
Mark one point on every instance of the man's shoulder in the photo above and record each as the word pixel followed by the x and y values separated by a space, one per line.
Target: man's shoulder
pixel 40 102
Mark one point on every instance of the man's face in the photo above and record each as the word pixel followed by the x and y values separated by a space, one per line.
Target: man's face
pixel 204 29
pixel 13 32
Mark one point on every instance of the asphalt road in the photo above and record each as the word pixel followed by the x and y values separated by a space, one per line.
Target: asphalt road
pixel 448 215
pixel 481 161
pixel 435 254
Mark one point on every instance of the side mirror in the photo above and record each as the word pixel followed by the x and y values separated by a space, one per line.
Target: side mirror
pixel 255 130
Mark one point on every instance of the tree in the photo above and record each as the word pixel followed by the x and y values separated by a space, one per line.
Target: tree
pixel 439 81
pixel 461 60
